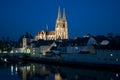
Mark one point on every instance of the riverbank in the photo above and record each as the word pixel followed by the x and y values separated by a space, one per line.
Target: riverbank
pixel 58 60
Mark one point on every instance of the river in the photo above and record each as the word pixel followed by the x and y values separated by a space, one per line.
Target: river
pixel 37 71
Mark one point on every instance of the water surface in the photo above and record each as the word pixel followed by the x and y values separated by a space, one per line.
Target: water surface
pixel 35 71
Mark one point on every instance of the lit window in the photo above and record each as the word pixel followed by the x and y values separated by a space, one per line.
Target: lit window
pixel 76 48
pixel 16 51
pixel 111 54
pixel 11 51
pixel 116 59
pixel 33 53
pixel 5 60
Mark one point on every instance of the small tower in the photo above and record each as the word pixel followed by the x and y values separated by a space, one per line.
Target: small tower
pixel 27 39
pixel 24 42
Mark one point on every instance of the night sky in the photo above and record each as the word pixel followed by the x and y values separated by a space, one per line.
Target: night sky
pixel 83 16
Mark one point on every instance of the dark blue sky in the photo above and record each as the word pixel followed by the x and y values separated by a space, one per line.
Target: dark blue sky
pixel 83 16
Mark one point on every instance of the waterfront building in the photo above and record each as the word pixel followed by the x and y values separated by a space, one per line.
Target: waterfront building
pixel 27 39
pixel 60 32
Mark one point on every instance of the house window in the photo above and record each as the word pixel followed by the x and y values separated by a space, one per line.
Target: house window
pixel 111 54
pixel 117 59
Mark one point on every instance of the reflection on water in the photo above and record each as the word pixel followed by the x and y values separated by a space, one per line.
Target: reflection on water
pixel 34 71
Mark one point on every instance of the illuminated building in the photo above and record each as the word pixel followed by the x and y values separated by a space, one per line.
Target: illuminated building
pixel 61 29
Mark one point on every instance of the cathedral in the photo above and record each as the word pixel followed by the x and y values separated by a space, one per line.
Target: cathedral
pixel 60 32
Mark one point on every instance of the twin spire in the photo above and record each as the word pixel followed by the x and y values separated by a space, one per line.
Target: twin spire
pixel 59 14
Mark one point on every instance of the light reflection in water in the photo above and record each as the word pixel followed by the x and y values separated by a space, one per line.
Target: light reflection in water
pixel 34 71
pixel 16 69
pixel 58 76
pixel 11 69
pixel 117 75
pixel 64 73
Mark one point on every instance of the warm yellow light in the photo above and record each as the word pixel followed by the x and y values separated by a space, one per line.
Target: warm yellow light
pixel 57 76
pixel 28 51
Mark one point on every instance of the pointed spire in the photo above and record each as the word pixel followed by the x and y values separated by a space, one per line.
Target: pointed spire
pixel 64 15
pixel 59 13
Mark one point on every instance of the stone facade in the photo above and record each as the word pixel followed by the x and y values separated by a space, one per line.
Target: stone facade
pixel 61 29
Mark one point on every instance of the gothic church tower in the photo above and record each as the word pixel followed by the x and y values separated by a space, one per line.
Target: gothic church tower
pixel 61 29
